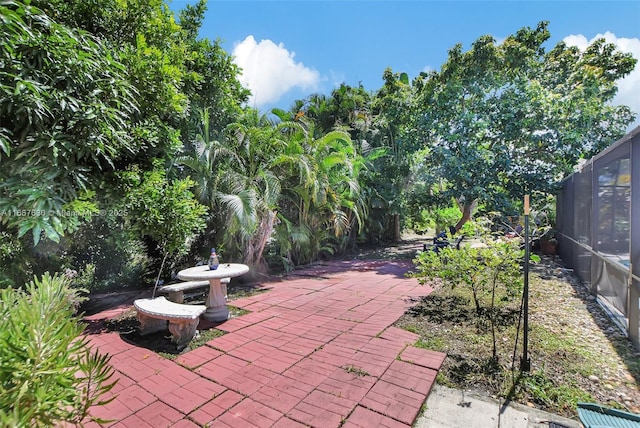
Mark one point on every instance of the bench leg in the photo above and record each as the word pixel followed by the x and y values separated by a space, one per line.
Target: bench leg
pixel 183 331
pixel 176 296
pixel 150 325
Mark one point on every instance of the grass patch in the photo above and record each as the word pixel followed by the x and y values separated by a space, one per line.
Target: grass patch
pixel 548 393
pixel 357 371
pixel 235 312
pixel 199 340
pixel 433 343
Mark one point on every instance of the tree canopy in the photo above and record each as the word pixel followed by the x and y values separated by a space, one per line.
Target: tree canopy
pixel 89 88
pixel 66 100
pixel 112 104
pixel 502 120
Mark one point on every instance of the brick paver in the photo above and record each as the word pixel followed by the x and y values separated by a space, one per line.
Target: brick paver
pixel 423 357
pixel 317 349
pixel 365 418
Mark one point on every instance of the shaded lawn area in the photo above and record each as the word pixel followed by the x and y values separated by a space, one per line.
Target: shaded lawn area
pixel 127 322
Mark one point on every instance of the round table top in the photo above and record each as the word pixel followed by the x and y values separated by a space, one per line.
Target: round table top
pixel 225 270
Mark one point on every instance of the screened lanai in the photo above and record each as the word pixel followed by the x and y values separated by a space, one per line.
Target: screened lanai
pixel 598 229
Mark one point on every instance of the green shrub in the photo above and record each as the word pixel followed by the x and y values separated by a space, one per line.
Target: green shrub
pixel 435 218
pixel 445 217
pixel 491 271
pixel 48 374
pixel 12 260
pixel 106 256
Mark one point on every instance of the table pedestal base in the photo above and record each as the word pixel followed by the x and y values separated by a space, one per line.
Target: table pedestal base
pixel 216 302
pixel 217 310
pixel 221 313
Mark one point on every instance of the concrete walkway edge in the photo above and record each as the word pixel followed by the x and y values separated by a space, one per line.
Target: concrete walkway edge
pixel 453 408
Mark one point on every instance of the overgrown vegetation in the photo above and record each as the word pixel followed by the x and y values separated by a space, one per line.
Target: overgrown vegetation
pixel 572 358
pixel 125 147
pixel 48 374
pixel 95 93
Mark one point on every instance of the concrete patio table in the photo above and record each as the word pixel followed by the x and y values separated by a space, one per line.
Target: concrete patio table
pixel 217 309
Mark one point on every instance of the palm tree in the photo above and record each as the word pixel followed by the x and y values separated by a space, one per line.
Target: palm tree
pixel 251 185
pixel 323 203
pixel 275 182
pixel 204 162
pixel 206 165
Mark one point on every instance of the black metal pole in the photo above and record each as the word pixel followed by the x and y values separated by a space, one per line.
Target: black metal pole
pixel 525 363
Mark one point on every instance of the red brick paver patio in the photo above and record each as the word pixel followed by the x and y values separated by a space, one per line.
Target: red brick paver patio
pixel 318 349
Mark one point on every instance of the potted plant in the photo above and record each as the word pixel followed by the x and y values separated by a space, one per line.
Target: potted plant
pixel 548 243
pixel 544 234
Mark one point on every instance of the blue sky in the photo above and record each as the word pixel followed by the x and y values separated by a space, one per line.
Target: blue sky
pixel 290 49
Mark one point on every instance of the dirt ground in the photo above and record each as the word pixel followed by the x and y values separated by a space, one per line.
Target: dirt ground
pixel 562 305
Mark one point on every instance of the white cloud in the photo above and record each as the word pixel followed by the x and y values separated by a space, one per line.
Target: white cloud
pixel 270 71
pixel 629 86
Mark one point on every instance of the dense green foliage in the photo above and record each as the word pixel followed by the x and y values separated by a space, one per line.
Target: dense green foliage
pixel 268 180
pixel 161 209
pixel 491 271
pixel 89 90
pixel 64 109
pixel 119 125
pixel 499 121
pixel 47 374
pixel 126 148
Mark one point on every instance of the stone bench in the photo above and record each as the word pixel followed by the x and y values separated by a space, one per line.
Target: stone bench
pixel 176 291
pixel 154 314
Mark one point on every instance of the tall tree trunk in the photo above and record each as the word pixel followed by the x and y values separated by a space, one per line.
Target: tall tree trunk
pixel 267 229
pixel 396 227
pixel 255 246
pixel 392 230
pixel 467 211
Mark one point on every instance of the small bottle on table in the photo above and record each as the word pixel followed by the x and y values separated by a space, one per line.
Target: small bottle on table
pixel 214 262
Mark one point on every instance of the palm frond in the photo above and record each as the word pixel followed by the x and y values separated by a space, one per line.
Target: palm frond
pixel 242 207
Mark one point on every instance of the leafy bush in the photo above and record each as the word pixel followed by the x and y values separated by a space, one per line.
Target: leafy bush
pixel 434 218
pixel 106 256
pixel 48 374
pixel 65 114
pixel 162 210
pixel 491 271
pixel 12 260
pixel 444 217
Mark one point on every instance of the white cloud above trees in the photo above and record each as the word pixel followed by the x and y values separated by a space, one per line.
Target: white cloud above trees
pixel 269 70
pixel 629 86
